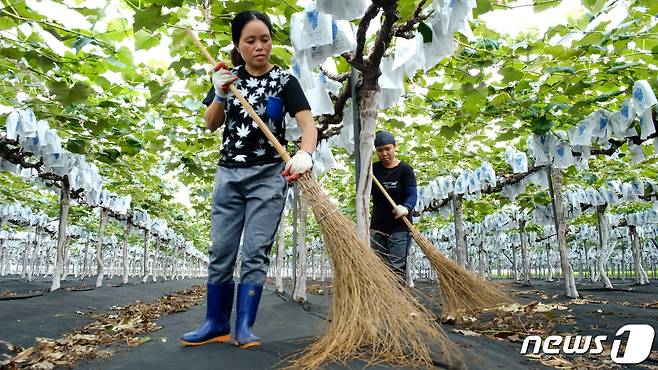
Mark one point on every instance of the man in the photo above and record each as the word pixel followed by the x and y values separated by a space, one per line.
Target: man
pixel 389 235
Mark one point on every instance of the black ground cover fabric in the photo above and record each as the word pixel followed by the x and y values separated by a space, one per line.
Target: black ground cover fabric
pixel 286 327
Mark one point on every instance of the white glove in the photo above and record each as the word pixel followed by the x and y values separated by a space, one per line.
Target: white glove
pixel 299 164
pixel 400 211
pixel 221 78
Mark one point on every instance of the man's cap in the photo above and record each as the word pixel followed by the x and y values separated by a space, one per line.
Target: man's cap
pixel 383 138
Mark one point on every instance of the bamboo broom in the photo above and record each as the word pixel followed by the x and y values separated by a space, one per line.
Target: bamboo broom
pixel 371 318
pixel 460 289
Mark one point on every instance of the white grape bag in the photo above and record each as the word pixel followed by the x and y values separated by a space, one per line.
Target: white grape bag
pixel 461 184
pixel 318 98
pixel 12 125
pixel 643 96
pixel 647 126
pixel 446 184
pixel 317 27
pixel 405 49
pixel 298 37
pixel 636 152
pixel 42 130
pixel 441 46
pixel 332 86
pixel 601 128
pixel 292 129
pixel 488 173
pixel 563 157
pixel 581 134
pixel 301 70
pixel 343 37
pixel 323 159
pixel 627 111
pixel 343 9
pixel 391 83
pixel 28 123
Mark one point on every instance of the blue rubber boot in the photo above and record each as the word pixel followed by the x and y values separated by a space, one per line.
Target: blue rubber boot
pixel 246 309
pixel 217 325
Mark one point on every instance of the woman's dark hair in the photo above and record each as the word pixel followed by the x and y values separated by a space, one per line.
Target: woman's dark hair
pixel 238 23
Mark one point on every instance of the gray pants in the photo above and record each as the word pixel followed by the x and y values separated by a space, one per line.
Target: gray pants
pixel 393 249
pixel 248 200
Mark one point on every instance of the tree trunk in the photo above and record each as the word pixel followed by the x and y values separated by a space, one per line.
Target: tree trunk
pixel 35 252
pixel 524 253
pixel 126 236
pixel 145 257
pixel 280 253
pixel 460 238
pixel 4 256
pixel 604 237
pixel 368 116
pixel 515 269
pixel 99 247
pixel 61 236
pixel 549 275
pixel 555 180
pixel 411 262
pixel 635 243
pixel 643 262
pixel 299 294
pixel 157 257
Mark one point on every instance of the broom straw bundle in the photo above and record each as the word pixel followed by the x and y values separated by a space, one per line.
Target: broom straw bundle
pixel 371 317
pixel 461 290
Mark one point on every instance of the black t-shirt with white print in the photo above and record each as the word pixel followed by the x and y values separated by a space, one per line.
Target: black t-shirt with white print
pixel 272 95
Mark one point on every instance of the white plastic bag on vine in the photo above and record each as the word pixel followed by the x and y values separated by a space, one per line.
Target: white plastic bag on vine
pixel 391 83
pixel 302 71
pixel 643 96
pixel 461 183
pixel 11 124
pixel 343 9
pixel 602 129
pixel 647 126
pixel 563 158
pixel 318 98
pixel 323 159
pixel 637 153
pixel 27 123
pixel 488 174
pixel 446 183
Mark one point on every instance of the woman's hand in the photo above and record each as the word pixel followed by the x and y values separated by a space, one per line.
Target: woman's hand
pixel 298 165
pixel 221 78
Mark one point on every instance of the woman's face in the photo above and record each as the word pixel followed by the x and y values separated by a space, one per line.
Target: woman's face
pixel 255 44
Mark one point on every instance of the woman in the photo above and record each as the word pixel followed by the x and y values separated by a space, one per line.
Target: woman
pixel 251 180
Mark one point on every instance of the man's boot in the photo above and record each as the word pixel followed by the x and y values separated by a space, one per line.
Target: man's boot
pixel 246 309
pixel 217 325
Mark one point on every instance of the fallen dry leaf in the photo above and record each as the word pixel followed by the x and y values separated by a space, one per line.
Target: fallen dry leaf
pixel 467 333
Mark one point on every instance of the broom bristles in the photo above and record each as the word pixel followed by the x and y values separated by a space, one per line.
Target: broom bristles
pixel 372 317
pixel 461 290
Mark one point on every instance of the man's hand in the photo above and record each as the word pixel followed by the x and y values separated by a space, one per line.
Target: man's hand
pixel 299 164
pixel 221 78
pixel 400 211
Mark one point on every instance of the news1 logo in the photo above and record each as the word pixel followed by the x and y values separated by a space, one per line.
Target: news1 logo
pixel 638 346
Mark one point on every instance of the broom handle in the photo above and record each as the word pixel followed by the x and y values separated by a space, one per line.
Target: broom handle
pixel 279 148
pixel 404 218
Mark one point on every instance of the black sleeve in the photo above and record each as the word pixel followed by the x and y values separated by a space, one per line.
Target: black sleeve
pixel 409 177
pixel 211 95
pixel 294 98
